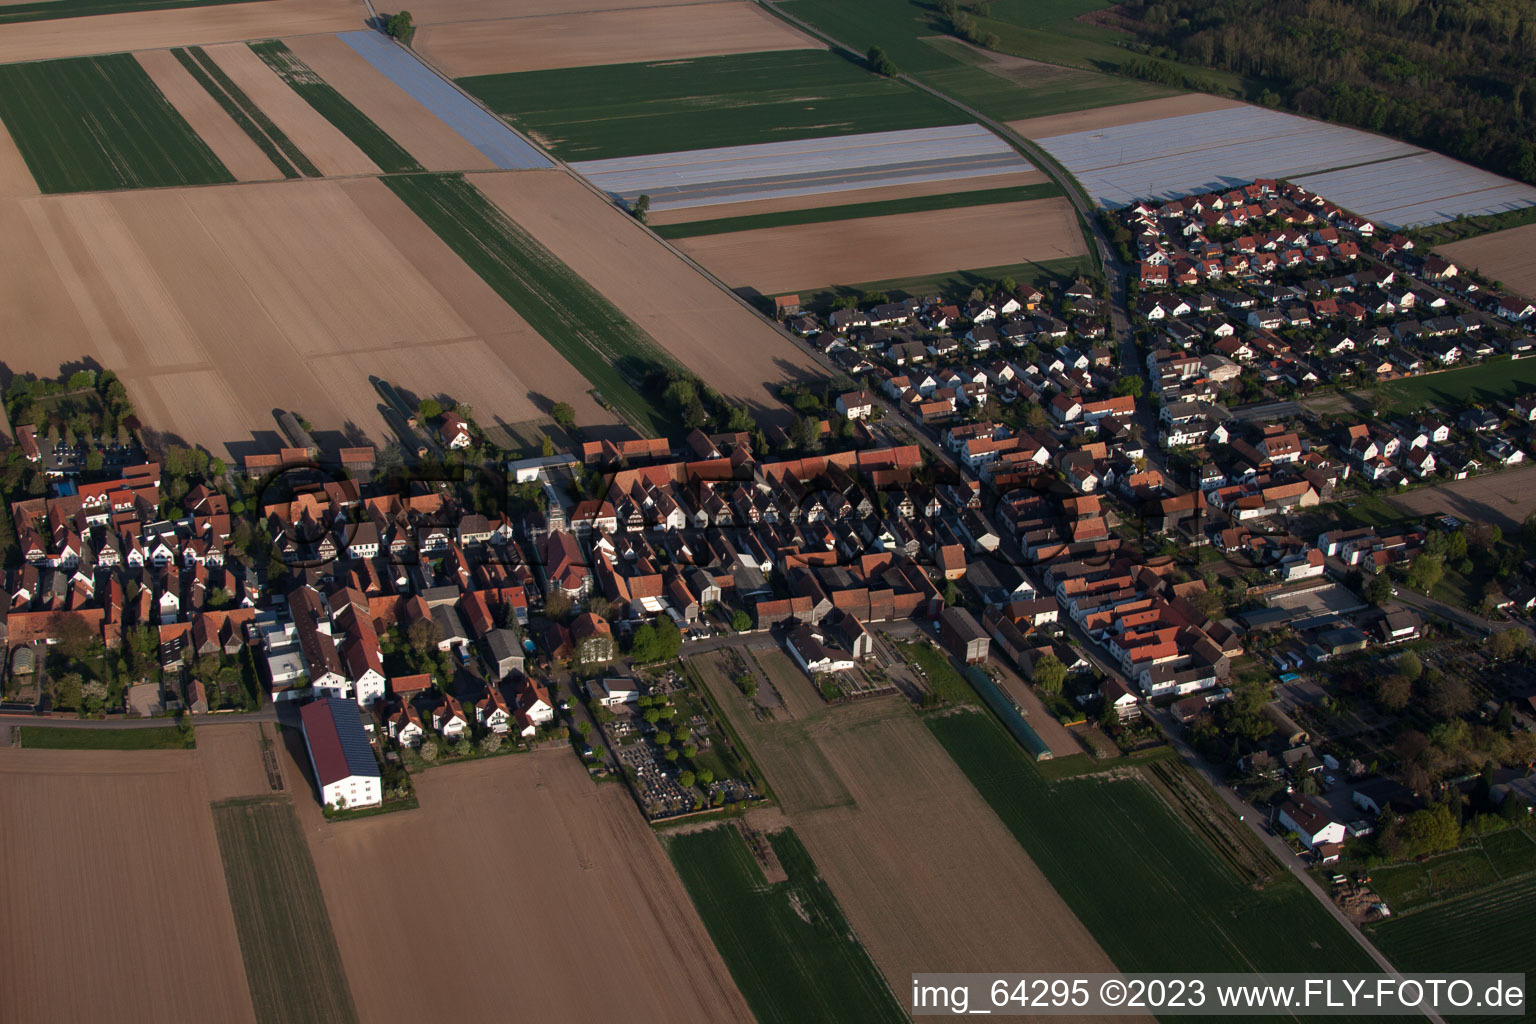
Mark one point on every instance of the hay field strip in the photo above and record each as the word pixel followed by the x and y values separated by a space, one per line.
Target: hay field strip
pixel 335 108
pixel 811 166
pixel 788 945
pixel 588 330
pixel 1168 882
pixel 621 110
pixel 589 37
pixel 251 118
pixel 100 123
pixel 502 146
pixel 1506 256
pixel 292 962
pixel 48 10
pixel 858 211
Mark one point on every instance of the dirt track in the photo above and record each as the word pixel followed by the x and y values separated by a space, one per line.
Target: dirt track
pixel 1120 114
pixel 228 141
pixel 705 329
pixel 1505 256
pixel 518 882
pixel 806 256
pixel 606 37
pixel 218 306
pixel 822 200
pixel 434 145
pixel 113 903
pixel 190 26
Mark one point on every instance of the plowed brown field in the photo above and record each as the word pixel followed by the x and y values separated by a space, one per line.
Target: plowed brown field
pixel 15 179
pixel 438 12
pixel 606 37
pixel 551 895
pixel 218 306
pixel 728 346
pixel 1505 256
pixel 806 256
pixel 113 904
pixel 228 141
pixel 1120 114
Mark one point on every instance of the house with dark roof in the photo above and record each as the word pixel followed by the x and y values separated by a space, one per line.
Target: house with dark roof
pixel 346 772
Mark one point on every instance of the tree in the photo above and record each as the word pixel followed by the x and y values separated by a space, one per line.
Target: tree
pixel 491 742
pixel 1394 691
pixel 1378 589
pixel 663 738
pixel 400 27
pixel 423 636
pixel 685 779
pixel 1431 831
pixel 1509 643
pixel 741 621
pixel 1050 674
pixel 1408 664
pixel 93 461
pixel 67 690
pixel 428 409
pixel 563 414
pixel 1130 385
pixel 641 207
pixel 546 445
pixel 1446 696
pixel 706 776
pixel 94 696
pixel 880 62
pixel 1424 572
pixel 72 635
pixel 584 728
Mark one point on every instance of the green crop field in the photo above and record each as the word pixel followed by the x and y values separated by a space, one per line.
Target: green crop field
pixel 291 960
pixel 1154 895
pixel 153 738
pixel 1494 930
pixel 787 945
pixel 588 330
pixel 278 147
pixel 940 672
pixel 1495 379
pixel 46 10
pixel 96 123
pixel 857 211
pixel 631 109
pixel 375 143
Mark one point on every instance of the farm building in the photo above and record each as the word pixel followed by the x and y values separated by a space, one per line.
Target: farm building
pixel 963 636
pixel 346 771
pixel 297 435
pixel 1310 822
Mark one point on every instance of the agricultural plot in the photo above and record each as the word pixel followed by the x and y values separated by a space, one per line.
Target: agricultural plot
pixel 1169 881
pixel 788 945
pixel 1505 256
pixel 1493 381
pixel 15 179
pixel 927 874
pixel 1213 149
pixel 623 110
pixel 598 884
pixel 217 306
pixel 42 737
pixel 263 133
pixel 594 37
pixel 47 10
pixel 99 123
pixel 1120 114
pixel 334 107
pixel 433 144
pixel 123 840
pixel 232 141
pixel 1494 930
pixel 291 960
pixel 494 140
pixel 807 256
pixel 436 12
pixel 813 166
pixel 691 320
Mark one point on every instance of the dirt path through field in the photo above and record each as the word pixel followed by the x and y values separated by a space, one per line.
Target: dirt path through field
pixel 803 257
pixel 606 37
pixel 228 141
pixel 706 330
pixel 882 194
pixel 113 903
pixel 435 146
pixel 1121 114
pixel 316 137
pixel 189 26
pixel 545 870
pixel 15 179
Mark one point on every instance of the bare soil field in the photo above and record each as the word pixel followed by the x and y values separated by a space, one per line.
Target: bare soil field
pixel 229 754
pixel 606 37
pixel 881 194
pixel 803 256
pixel 1056 736
pixel 113 894
pixel 795 687
pixel 190 26
pixel 1505 498
pixel 316 137
pixel 708 331
pixel 217 306
pixel 548 871
pixel 1122 114
pixel 435 146
pixel 228 141
pixel 439 12
pixel 931 880
pixel 15 179
pixel 1507 256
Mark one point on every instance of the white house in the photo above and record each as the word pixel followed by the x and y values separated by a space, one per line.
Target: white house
pixel 810 652
pixel 613 692
pixel 345 769
pixel 1304 817
pixel 856 405
pixel 405 726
